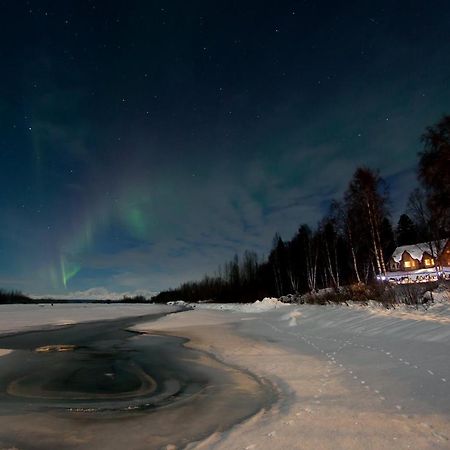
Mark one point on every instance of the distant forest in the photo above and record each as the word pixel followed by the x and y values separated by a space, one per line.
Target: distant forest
pixel 350 245
pixel 17 297
pixel 12 297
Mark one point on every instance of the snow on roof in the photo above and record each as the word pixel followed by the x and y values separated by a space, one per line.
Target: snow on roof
pixel 416 251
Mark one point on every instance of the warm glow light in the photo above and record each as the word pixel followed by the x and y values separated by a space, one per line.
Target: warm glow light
pixel 407 263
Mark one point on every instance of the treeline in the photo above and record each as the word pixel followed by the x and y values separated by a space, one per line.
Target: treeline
pixel 352 242
pixel 10 297
pixel 17 297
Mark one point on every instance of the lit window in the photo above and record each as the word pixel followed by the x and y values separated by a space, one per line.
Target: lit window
pixel 407 263
pixel 429 262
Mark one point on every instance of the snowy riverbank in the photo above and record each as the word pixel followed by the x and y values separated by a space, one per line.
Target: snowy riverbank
pixel 348 376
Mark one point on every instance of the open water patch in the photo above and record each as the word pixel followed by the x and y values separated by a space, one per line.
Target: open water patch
pixel 97 385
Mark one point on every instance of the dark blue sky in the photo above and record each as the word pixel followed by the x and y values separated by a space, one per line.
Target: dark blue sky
pixel 143 143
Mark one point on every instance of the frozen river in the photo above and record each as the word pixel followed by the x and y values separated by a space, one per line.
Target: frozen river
pixel 98 385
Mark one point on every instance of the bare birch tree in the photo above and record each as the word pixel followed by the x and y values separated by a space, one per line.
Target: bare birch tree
pixel 366 200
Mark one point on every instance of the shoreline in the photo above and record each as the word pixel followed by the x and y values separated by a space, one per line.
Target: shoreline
pixel 319 406
pixel 197 336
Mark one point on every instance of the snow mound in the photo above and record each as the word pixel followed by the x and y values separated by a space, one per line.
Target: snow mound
pixel 178 303
pixel 266 304
pixel 439 295
pixel 292 317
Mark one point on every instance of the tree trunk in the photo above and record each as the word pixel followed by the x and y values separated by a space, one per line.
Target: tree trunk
pixel 336 262
pixel 294 281
pixel 330 265
pixel 380 248
pixel 352 248
pixel 374 240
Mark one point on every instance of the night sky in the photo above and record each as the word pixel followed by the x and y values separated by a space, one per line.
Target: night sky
pixel 143 143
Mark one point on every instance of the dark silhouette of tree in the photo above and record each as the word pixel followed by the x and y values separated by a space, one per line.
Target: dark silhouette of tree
pixel 406 232
pixel 278 261
pixel 329 243
pixel 429 229
pixel 347 226
pixel 293 270
pixel 430 204
pixel 296 265
pixel 310 248
pixel 388 241
pixel 366 200
pixel 249 268
pixel 418 210
pixel 9 297
pixel 434 174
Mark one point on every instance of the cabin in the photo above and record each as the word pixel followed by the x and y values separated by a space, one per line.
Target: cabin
pixel 420 262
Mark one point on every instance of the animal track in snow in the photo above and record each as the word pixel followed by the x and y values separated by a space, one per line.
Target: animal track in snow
pixel 380 350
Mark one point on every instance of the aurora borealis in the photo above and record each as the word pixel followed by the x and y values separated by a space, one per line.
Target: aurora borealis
pixel 143 143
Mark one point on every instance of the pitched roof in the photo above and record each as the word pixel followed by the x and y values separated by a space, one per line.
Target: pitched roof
pixel 416 251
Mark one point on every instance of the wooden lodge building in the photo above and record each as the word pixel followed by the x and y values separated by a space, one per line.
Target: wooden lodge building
pixel 420 262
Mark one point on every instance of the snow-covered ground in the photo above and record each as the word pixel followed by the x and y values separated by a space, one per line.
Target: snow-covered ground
pixel 348 377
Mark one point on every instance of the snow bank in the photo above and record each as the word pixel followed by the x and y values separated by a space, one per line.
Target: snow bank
pixel 378 376
pixel 266 304
pixel 179 303
pixel 439 295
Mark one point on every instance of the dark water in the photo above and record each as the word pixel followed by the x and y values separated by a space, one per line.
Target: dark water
pixel 97 385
